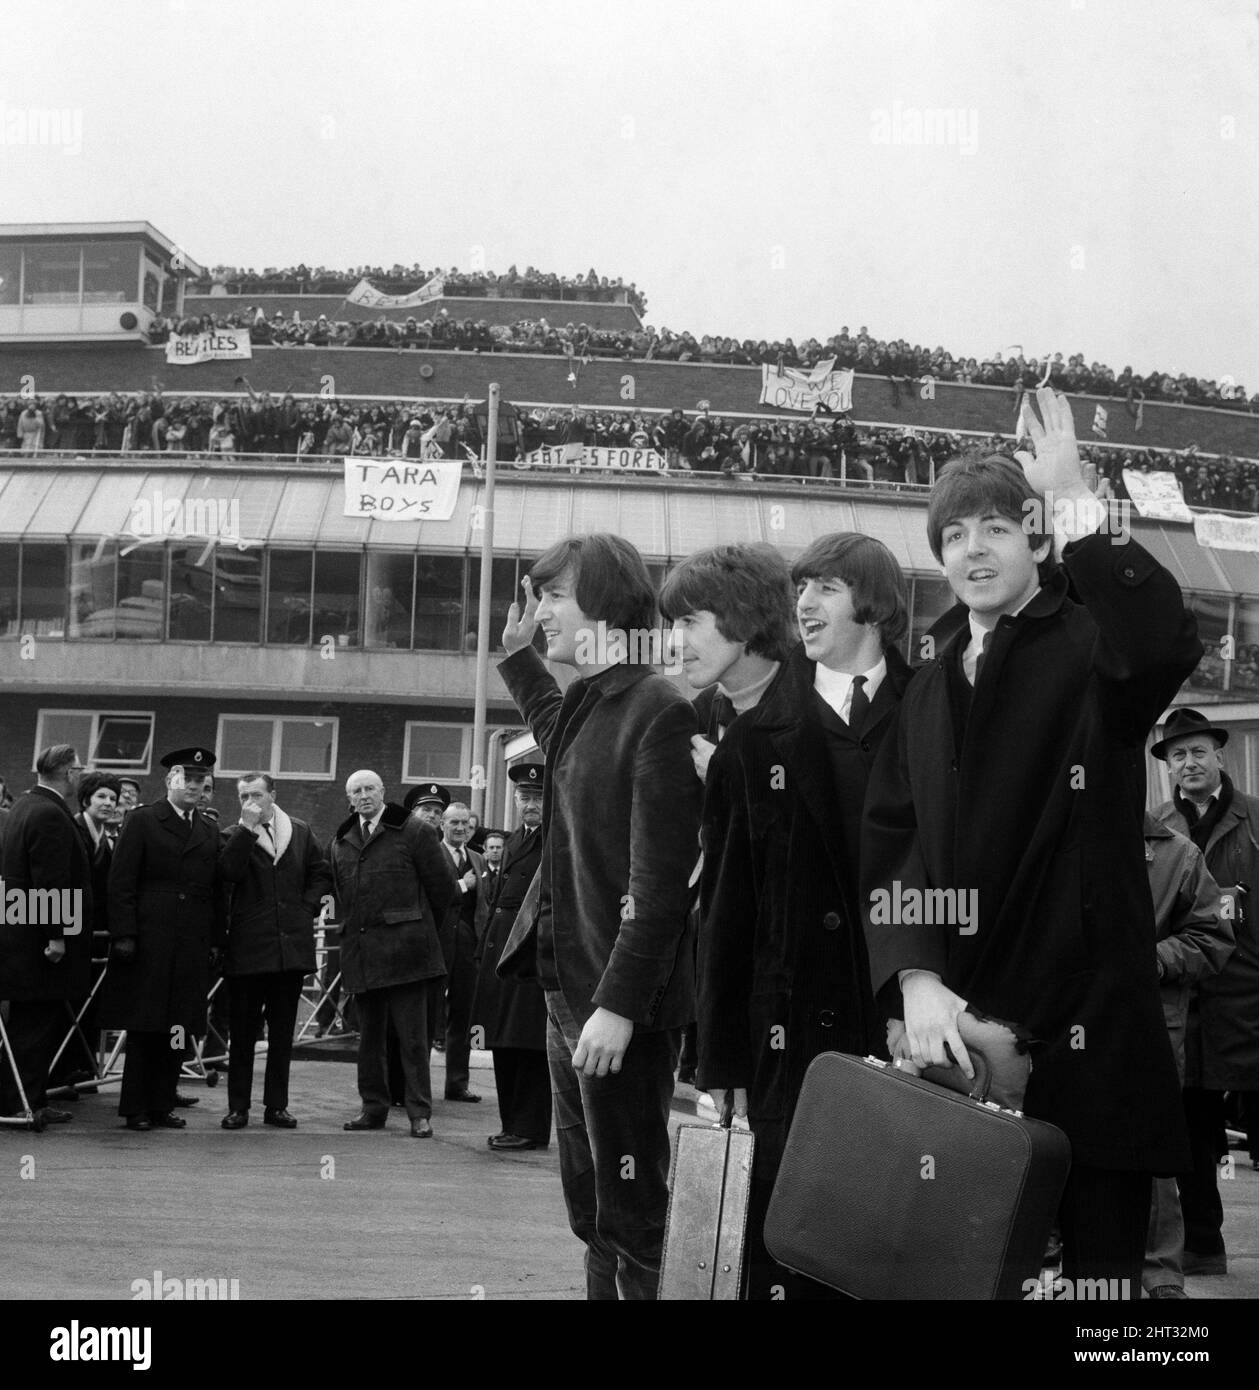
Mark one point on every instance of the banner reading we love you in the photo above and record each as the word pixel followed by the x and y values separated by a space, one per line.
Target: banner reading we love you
pixel 790 389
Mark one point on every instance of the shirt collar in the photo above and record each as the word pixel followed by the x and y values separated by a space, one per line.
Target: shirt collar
pixel 750 695
pixel 833 686
pixel 979 634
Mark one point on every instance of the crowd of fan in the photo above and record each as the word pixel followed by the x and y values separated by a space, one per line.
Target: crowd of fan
pixel 401 280
pixel 898 360
pixel 257 423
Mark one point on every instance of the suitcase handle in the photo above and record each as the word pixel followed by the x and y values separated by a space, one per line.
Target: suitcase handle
pixel 954 1078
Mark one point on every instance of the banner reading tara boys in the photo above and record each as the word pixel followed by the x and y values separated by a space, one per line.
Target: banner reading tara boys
pixel 216 345
pixel 363 294
pixel 402 489
pixel 595 456
pixel 1156 495
pixel 790 389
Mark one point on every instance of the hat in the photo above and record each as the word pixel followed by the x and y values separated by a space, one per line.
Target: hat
pixel 1184 722
pixel 190 759
pixel 429 793
pixel 527 774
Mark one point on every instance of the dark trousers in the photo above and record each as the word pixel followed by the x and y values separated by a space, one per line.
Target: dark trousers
pixel 253 999
pixel 149 1074
pixel 613 1134
pixel 36 1028
pixel 460 987
pixel 1199 1195
pixel 1104 1217
pixel 407 1007
pixel 522 1078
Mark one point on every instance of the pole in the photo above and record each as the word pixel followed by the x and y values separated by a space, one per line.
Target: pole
pixel 484 517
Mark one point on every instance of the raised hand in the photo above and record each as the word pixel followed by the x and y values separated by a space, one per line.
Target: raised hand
pixel 519 629
pixel 1054 467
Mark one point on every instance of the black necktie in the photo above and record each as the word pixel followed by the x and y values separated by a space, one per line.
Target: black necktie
pixel 720 716
pixel 860 705
pixel 979 657
pixel 367 828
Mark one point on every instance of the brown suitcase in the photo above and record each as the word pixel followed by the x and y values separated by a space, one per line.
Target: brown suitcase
pixel 709 1184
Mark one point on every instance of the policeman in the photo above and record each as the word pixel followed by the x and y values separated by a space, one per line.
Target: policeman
pixel 164 919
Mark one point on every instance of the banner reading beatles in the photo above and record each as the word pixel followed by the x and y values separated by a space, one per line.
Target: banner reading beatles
pixel 402 489
pixel 615 460
pixel 368 298
pixel 791 389
pixel 216 345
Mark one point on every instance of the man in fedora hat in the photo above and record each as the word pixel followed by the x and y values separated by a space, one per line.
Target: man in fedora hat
pixel 164 922
pixel 511 1012
pixel 1222 1043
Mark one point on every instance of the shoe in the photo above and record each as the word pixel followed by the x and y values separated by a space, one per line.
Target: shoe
pixel 281 1119
pixel 421 1129
pixel 1204 1266
pixel 494 1138
pixel 139 1124
pixel 465 1094
pixel 686 1076
pixel 1168 1291
pixel 168 1121
pixel 512 1143
pixel 440 1045
pixel 55 1117
pixel 183 1102
pixel 364 1121
pixel 235 1119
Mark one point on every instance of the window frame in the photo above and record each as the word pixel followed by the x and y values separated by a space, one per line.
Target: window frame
pixel 97 716
pixel 465 751
pixel 277 722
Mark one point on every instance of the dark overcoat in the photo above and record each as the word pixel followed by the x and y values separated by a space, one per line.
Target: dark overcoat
pixel 100 855
pixel 1035 803
pixel 43 850
pixel 512 1012
pixel 272 904
pixel 1223 1043
pixel 391 893
pixel 448 925
pixel 783 971
pixel 164 895
pixel 620 825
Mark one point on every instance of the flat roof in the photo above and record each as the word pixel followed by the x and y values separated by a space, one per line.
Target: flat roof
pixel 98 231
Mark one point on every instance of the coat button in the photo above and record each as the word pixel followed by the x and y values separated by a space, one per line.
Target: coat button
pixel 1129 572
pixel 826 1017
pixel 182 896
pixel 831 921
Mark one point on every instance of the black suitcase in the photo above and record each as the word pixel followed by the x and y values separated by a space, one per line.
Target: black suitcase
pixel 892 1186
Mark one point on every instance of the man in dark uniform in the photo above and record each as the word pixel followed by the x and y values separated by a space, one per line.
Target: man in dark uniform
pixel 459 942
pixel 511 1013
pixel 164 922
pixel 47 960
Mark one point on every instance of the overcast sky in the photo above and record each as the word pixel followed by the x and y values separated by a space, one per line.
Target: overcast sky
pixel 752 167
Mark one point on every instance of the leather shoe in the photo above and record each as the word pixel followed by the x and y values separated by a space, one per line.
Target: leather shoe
pixel 139 1124
pixel 183 1102
pixel 55 1117
pixel 421 1129
pixel 281 1119
pixel 1168 1291
pixel 512 1143
pixel 494 1138
pixel 168 1121
pixel 364 1121
pixel 465 1094
pixel 235 1119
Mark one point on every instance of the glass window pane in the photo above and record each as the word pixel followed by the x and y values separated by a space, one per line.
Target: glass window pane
pixel 503 594
pixel 63 726
pixel 191 592
pixel 1212 614
pixel 237 595
pixel 109 273
pixel 288 597
pixel 92 574
pixel 244 745
pixel 390 579
pixel 439 603
pixel 10 274
pixel 52 275
pixel 152 284
pixel 336 597
pixel 8 590
pixel 306 747
pixel 123 741
pixel 1246 664
pixel 434 751
pixel 44 590
pixel 932 599
pixel 141 594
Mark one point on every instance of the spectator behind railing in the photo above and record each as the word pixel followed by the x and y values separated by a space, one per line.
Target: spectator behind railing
pixel 904 365
pixel 260 423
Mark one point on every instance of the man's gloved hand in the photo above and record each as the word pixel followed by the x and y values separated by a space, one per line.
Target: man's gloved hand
pixel 124 950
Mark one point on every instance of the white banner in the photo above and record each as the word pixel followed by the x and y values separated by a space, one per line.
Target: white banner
pixel 402 489
pixel 218 345
pixel 1227 532
pixel 616 460
pixel 363 294
pixel 795 390
pixel 1156 495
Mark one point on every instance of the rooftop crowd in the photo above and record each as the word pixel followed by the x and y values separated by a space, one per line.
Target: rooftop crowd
pixel 402 280
pixel 258 423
